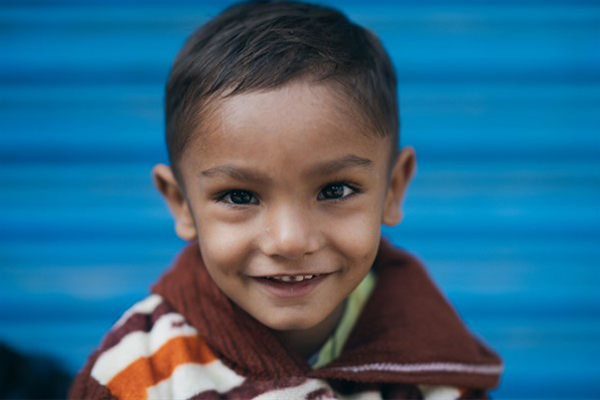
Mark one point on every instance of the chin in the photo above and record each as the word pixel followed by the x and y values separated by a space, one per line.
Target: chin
pixel 288 322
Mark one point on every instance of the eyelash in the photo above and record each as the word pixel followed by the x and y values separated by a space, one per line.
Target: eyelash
pixel 222 196
pixel 355 189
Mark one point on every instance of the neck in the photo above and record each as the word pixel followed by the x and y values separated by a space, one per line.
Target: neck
pixel 307 341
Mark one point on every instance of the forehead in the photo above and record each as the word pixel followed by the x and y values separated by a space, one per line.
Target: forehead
pixel 297 122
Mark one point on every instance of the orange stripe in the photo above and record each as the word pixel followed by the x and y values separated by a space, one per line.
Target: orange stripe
pixel 132 382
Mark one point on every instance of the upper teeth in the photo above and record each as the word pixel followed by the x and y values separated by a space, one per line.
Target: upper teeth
pixel 293 278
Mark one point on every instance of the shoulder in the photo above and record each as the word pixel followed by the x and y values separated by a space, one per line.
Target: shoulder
pixel 152 349
pixel 390 256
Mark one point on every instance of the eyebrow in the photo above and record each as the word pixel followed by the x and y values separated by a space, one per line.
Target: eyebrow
pixel 237 173
pixel 323 168
pixel 333 166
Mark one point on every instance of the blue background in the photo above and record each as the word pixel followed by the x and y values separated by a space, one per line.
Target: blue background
pixel 501 100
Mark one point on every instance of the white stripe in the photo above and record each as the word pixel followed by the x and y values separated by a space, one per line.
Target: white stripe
pixel 139 344
pixel 190 379
pixel 430 367
pixel 146 306
pixel 370 395
pixel 296 392
pixel 437 392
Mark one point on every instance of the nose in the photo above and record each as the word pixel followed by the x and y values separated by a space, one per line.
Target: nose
pixel 289 232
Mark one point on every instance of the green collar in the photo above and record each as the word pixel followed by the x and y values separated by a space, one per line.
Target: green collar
pixel 354 305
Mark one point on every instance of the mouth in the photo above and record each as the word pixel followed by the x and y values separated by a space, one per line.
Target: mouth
pixel 292 278
pixel 290 285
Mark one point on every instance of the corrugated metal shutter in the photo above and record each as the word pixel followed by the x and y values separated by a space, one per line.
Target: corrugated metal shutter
pixel 501 100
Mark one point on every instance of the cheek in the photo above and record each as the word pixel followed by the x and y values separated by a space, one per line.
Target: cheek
pixel 224 246
pixel 358 237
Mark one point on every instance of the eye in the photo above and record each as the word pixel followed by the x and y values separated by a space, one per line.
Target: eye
pixel 336 191
pixel 238 196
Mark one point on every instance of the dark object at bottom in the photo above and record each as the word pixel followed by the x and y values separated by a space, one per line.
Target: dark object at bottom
pixel 31 376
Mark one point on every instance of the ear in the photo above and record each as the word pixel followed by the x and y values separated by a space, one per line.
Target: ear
pixel 167 185
pixel 401 174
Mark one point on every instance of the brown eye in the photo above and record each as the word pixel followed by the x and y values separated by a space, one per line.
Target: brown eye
pixel 335 191
pixel 240 197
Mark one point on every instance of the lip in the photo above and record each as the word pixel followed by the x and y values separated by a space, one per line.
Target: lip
pixel 291 289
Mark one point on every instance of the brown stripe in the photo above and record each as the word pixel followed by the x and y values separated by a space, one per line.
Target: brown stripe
pixel 466 394
pixel 132 382
pixel 86 387
pixel 208 395
pixel 136 322
pixel 250 389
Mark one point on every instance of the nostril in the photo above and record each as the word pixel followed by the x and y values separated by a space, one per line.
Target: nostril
pixel 288 232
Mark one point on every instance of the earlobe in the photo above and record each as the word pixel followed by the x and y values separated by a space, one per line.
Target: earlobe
pixel 167 185
pixel 401 174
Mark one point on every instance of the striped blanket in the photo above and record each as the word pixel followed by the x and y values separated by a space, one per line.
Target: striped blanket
pixel 188 341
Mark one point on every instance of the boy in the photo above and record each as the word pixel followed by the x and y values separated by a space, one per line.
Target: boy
pixel 282 130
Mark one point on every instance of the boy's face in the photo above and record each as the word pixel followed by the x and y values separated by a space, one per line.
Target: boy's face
pixel 283 185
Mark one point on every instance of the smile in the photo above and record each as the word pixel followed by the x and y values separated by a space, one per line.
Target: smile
pixel 290 286
pixel 292 278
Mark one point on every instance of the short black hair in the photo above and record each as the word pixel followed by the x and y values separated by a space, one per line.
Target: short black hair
pixel 264 44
